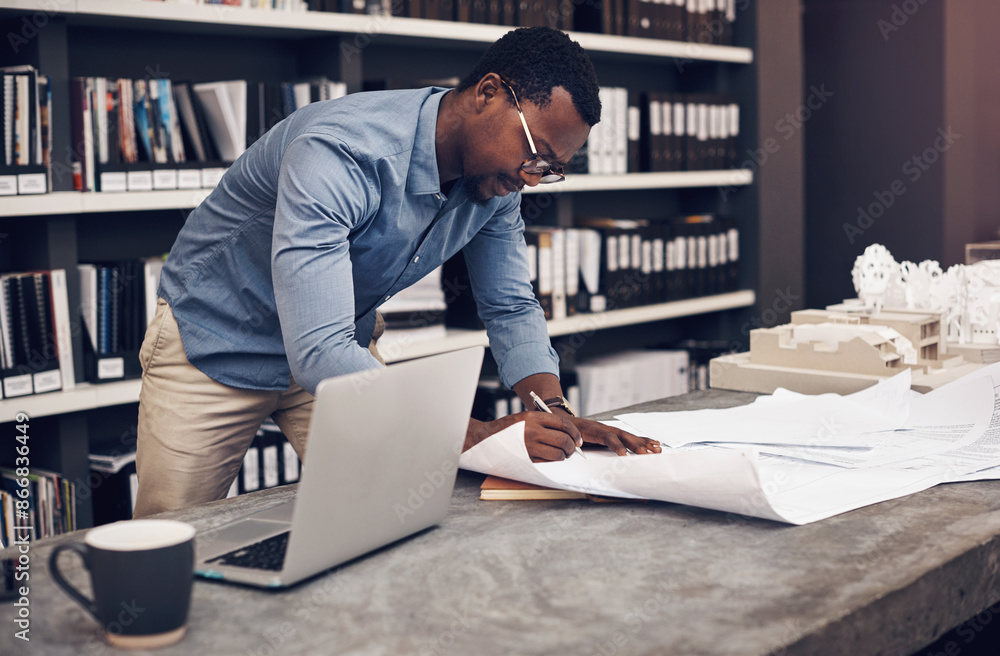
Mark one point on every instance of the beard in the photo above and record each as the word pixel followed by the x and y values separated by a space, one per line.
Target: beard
pixel 472 186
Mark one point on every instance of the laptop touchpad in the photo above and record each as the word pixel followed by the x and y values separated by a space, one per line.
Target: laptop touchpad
pixel 279 513
pixel 245 531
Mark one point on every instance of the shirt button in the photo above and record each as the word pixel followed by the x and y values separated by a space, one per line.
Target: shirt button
pixel 416 259
pixel 388 297
pixel 438 196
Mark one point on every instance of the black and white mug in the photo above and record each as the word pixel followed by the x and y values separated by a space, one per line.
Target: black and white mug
pixel 141 572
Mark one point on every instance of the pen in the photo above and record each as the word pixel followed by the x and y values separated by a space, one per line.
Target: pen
pixel 540 404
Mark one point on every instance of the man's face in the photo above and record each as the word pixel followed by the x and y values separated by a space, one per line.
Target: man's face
pixel 492 162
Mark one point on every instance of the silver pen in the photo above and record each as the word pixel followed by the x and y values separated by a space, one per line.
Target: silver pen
pixel 540 405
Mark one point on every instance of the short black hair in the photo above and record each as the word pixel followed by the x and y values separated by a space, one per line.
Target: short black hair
pixel 534 60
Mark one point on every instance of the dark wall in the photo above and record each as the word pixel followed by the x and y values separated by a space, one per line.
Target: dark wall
pixel 906 152
pixel 886 108
pixel 780 151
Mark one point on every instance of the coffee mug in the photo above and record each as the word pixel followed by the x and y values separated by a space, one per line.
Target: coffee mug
pixel 141 572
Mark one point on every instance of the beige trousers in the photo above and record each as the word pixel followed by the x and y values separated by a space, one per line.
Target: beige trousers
pixel 193 432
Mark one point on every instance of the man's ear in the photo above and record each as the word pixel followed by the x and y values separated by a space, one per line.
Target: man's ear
pixel 488 90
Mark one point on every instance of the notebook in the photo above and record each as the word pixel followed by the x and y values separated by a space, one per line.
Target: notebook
pixel 381 462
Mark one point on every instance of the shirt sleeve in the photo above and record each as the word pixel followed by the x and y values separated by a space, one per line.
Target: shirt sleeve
pixel 497 260
pixel 323 193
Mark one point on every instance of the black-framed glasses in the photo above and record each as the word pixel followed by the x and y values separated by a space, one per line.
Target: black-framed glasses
pixel 537 164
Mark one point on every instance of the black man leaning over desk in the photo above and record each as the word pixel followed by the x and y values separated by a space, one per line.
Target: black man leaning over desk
pixel 274 280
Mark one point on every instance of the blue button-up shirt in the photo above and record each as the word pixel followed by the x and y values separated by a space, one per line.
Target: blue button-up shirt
pixel 338 207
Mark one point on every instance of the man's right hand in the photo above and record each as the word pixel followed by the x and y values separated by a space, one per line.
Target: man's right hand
pixel 547 437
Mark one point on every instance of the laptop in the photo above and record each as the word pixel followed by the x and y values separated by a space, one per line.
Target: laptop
pixel 381 463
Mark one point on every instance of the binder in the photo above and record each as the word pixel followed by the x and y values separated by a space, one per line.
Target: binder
pixel 674 109
pixel 658 264
pixel 79 106
pixel 291 467
pixel 732 248
pixel 668 143
pixel 62 326
pixel 654 120
pixel 590 296
pixel 674 19
pixel 508 12
pixel 479 11
pixel 540 240
pixel 114 309
pixel 732 149
pixel 250 473
pixel 636 142
pixel 25 121
pixel 224 105
pixel 728 22
pixel 270 472
pixel 45 357
pixel 572 242
pixel 634 277
pixel 692 160
pixel 559 272
pixel 702 134
pixel 492 400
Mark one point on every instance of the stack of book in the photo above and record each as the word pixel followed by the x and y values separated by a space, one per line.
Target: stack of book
pixel 700 21
pixel 269 5
pixel 113 484
pixel 35 333
pixel 493 400
pixel 689 132
pixel 614 264
pixel 626 378
pixel 417 312
pixel 594 385
pixel 269 462
pixel 117 302
pixel 149 134
pixel 653 131
pixel 25 120
pixel 51 505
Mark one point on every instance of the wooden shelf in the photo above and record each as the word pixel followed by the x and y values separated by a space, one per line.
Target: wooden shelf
pixel 629 181
pixel 74 202
pixel 394 349
pixel 86 396
pixel 223 19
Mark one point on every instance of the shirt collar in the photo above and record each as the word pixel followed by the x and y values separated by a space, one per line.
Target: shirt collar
pixel 422 177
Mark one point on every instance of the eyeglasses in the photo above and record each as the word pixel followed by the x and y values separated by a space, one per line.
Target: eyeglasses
pixel 537 164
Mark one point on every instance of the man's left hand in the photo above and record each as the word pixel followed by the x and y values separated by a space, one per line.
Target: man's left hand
pixel 619 441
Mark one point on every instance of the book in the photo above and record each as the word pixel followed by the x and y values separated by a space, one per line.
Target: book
pixel 495 488
pixel 225 107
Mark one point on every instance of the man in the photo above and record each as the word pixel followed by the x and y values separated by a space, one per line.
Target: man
pixel 274 280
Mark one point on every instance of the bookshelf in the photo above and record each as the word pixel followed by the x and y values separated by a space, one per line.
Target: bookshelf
pixel 223 19
pixel 72 202
pixel 393 349
pixel 196 42
pixel 87 396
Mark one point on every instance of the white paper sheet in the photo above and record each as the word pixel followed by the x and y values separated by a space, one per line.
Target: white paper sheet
pixel 951 431
pixel 827 420
pixel 944 421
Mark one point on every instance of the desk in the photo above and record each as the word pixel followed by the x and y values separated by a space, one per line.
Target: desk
pixel 598 579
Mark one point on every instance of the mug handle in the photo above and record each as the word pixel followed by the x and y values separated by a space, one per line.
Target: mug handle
pixel 80 548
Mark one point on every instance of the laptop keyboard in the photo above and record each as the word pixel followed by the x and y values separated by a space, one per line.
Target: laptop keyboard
pixel 267 554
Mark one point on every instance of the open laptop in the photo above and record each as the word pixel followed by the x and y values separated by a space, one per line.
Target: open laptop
pixel 381 463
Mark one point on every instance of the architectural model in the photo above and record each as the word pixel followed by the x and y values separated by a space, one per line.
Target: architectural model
pixel 967 295
pixel 939 324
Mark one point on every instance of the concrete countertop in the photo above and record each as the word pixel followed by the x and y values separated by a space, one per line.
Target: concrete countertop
pixel 584 578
